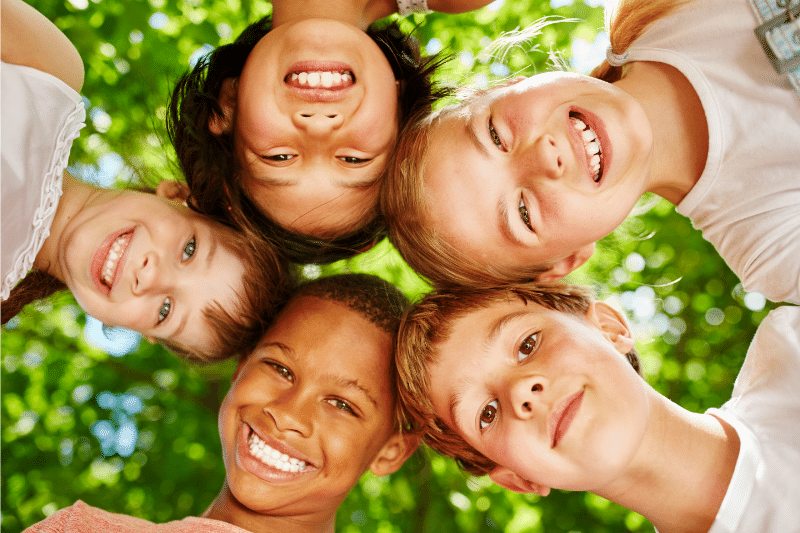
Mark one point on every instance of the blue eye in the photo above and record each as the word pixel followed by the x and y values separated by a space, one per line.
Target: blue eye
pixel 488 414
pixel 163 311
pixel 341 405
pixel 528 346
pixel 189 249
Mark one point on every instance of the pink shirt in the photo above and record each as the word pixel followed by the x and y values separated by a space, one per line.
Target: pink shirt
pixel 87 519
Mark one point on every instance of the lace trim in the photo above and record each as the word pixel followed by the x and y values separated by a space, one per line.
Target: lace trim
pixel 51 192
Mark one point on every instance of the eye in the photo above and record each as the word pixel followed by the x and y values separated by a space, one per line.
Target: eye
pixel 527 346
pixel 494 135
pixel 163 311
pixel 281 370
pixel 341 405
pixel 352 160
pixel 523 214
pixel 488 414
pixel 279 158
pixel 188 249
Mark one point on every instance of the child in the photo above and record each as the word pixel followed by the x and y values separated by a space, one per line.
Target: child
pixel 551 164
pixel 130 259
pixel 308 412
pixel 538 387
pixel 290 127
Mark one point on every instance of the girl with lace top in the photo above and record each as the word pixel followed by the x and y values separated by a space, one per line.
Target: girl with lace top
pixel 131 259
pixel 690 109
pixel 289 128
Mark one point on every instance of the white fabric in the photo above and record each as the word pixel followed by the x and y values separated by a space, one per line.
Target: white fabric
pixel 747 201
pixel 406 7
pixel 764 492
pixel 41 116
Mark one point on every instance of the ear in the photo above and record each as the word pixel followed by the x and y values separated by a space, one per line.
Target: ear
pixel 394 453
pixel 227 101
pixel 173 190
pixel 564 266
pixel 513 481
pixel 613 325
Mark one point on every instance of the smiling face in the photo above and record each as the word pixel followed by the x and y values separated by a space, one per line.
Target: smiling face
pixel 547 395
pixel 149 264
pixel 316 394
pixel 548 165
pixel 315 122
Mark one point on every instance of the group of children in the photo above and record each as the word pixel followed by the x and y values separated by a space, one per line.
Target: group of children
pixel 504 368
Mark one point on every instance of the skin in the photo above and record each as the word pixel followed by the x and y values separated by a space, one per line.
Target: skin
pixel 503 378
pixel 313 165
pixel 318 388
pixel 172 252
pixel 517 143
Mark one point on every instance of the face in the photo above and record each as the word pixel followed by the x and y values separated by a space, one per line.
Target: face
pixel 315 122
pixel 149 264
pixel 317 392
pixel 548 395
pixel 549 165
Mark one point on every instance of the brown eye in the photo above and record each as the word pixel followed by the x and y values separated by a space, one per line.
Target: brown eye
pixel 488 414
pixel 527 347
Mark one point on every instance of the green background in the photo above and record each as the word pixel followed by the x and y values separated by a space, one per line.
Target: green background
pixel 692 319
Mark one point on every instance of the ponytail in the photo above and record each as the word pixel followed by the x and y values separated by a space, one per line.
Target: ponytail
pixel 35 286
pixel 626 22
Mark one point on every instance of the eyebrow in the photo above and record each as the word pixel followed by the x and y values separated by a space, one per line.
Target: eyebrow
pixel 212 249
pixel 456 398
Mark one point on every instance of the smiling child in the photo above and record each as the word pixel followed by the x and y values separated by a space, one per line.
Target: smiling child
pixel 538 387
pixel 309 411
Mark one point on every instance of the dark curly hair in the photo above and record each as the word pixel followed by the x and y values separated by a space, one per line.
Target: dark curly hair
pixel 208 160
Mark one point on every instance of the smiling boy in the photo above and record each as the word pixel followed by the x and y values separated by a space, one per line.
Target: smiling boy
pixel 309 411
pixel 537 386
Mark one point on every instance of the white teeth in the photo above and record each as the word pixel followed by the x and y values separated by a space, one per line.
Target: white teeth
pixel 593 147
pixel 303 78
pixel 324 79
pixel 578 124
pixel 588 135
pixel 272 457
pixel 114 254
pixel 594 150
pixel 313 79
pixel 337 78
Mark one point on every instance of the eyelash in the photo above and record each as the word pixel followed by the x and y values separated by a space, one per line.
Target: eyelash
pixel 281 370
pixel 279 158
pixel 352 160
pixel 523 214
pixel 494 136
pixel 189 249
pixel 341 405
pixel 526 348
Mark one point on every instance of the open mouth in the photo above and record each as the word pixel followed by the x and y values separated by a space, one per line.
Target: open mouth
pixel 115 252
pixel 274 458
pixel 109 259
pixel 591 143
pixel 320 79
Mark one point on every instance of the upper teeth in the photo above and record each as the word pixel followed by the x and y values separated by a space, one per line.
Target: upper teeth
pixel 273 457
pixel 322 78
pixel 592 146
pixel 113 257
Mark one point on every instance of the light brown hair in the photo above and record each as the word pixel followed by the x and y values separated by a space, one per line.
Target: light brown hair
pixel 429 323
pixel 404 199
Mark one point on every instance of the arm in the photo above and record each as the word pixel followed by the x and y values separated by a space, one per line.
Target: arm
pixel 30 40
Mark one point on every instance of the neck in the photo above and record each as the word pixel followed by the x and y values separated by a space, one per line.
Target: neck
pixel 680 130
pixel 360 13
pixel 74 197
pixel 227 508
pixel 681 473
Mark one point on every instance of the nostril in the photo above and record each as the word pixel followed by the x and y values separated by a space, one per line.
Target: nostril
pixel 331 116
pixel 526 406
pixel 537 388
pixel 305 116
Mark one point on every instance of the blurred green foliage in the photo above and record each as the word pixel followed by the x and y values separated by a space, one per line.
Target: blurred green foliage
pixel 693 320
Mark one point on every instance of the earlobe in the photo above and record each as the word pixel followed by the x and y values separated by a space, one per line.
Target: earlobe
pixel 394 453
pixel 564 266
pixel 173 190
pixel 513 481
pixel 227 101
pixel 613 325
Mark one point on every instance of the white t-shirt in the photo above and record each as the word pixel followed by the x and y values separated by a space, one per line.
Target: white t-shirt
pixel 764 492
pixel 747 201
pixel 41 116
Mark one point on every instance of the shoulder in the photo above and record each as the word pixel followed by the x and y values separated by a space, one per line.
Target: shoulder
pixel 84 518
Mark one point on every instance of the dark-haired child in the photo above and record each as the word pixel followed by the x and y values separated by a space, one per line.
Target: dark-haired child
pixel 539 388
pixel 308 412
pixel 290 127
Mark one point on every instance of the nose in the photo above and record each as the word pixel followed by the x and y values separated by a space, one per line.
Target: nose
pixel 150 274
pixel 318 123
pixel 544 159
pixel 526 396
pixel 291 411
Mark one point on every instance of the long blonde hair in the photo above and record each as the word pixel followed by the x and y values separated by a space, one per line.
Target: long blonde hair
pixel 404 200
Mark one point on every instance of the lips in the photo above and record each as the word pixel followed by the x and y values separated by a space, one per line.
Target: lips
pixel 320 81
pixel 108 260
pixel 268 458
pixel 590 142
pixel 562 416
